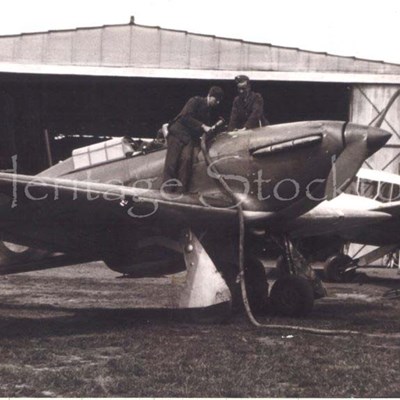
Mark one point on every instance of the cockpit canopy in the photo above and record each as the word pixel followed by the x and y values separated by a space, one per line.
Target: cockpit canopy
pixel 111 150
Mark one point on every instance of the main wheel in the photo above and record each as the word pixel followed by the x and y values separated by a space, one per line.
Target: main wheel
pixel 335 266
pixel 292 296
pixel 282 266
pixel 256 285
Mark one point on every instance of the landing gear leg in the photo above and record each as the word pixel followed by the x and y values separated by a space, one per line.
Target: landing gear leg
pixel 293 263
pixel 294 292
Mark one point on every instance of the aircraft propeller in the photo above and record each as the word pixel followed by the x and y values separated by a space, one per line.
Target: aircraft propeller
pixel 357 151
pixel 360 143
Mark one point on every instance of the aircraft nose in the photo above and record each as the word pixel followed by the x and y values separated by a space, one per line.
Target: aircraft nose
pixel 376 138
pixel 360 143
pixel 365 140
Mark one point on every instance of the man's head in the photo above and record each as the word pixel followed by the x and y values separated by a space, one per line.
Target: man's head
pixel 243 85
pixel 215 96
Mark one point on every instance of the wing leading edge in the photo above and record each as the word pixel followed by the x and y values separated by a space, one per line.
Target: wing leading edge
pixel 42 210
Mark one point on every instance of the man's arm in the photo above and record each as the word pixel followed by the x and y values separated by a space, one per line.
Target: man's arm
pixel 256 113
pixel 189 114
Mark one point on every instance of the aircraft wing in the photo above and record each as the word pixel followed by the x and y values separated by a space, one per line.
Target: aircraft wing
pixel 57 213
pixel 330 218
pixel 392 208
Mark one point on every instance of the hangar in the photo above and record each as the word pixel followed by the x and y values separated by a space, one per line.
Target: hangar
pixel 68 88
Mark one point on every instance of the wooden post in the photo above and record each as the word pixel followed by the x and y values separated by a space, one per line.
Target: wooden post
pixel 48 148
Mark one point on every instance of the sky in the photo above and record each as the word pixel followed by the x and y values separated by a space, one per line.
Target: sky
pixel 361 28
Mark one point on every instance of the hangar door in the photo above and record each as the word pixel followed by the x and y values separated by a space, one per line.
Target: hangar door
pixel 366 103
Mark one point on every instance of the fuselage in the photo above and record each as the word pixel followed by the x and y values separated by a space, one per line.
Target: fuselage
pixel 281 169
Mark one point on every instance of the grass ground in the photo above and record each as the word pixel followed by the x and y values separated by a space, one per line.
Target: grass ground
pixel 80 332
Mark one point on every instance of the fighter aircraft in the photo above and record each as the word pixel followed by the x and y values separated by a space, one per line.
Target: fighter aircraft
pixel 107 202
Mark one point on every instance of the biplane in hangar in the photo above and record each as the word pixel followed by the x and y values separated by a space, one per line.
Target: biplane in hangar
pixel 367 213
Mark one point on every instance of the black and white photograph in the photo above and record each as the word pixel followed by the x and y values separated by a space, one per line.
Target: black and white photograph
pixel 199 199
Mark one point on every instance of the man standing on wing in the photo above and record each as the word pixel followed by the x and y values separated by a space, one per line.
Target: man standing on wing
pixel 184 133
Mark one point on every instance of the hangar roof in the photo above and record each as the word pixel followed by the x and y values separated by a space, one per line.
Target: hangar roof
pixel 145 51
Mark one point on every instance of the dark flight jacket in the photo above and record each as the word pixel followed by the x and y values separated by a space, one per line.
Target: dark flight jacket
pixel 247 112
pixel 186 126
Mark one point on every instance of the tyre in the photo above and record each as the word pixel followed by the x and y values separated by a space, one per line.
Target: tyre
pixel 335 266
pixel 292 296
pixel 281 266
pixel 256 285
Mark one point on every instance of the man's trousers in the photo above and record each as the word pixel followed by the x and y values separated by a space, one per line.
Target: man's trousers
pixel 178 161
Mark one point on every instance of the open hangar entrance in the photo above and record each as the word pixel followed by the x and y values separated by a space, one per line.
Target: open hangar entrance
pixel 128 79
pixel 75 111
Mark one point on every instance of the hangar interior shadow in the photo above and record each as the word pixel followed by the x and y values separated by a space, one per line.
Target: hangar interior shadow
pixel 71 108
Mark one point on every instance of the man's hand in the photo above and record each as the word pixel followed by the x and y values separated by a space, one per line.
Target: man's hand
pixel 206 128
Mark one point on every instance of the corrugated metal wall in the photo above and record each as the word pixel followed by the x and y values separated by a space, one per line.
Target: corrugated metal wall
pixel 153 47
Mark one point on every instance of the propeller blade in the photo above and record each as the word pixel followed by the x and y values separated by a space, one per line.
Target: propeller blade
pixel 360 143
pixel 344 168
